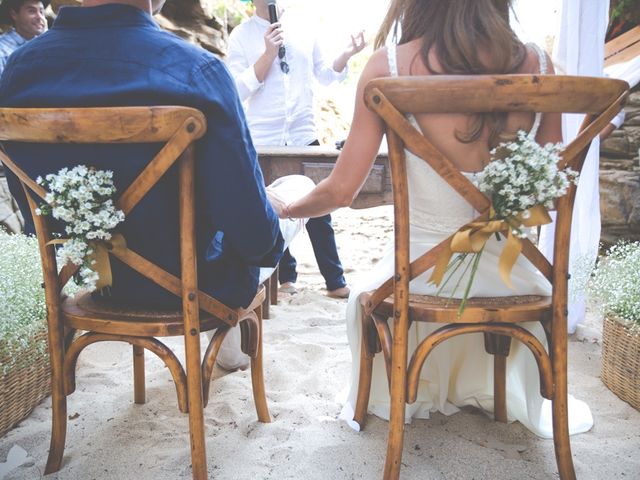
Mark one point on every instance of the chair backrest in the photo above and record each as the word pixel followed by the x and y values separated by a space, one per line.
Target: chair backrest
pixel 393 98
pixel 177 128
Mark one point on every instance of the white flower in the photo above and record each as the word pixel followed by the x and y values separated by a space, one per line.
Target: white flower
pixel 528 176
pixel 74 195
pixel 614 287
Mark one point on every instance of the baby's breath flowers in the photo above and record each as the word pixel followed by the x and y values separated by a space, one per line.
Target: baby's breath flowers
pixel 82 198
pixel 614 287
pixel 22 304
pixel 523 181
pixel 522 174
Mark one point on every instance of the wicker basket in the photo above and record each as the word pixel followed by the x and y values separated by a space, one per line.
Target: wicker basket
pixel 26 385
pixel 621 362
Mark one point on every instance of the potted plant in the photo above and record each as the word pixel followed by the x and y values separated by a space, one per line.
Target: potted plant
pixel 615 289
pixel 24 357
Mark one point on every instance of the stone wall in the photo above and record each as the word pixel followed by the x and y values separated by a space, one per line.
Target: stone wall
pixel 620 177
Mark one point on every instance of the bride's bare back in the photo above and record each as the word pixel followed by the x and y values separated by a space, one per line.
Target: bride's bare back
pixel 440 129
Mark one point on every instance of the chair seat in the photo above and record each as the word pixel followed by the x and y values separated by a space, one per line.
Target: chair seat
pixel 83 312
pixel 429 308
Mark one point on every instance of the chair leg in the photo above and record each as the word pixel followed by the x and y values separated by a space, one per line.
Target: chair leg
pixel 257 377
pixel 398 394
pixel 196 413
pixel 139 396
pixel 209 360
pixel 269 286
pixel 561 418
pixel 273 293
pixel 561 439
pixel 364 384
pixel 500 388
pixel 58 428
pixel 395 439
pixel 499 346
pixel 58 405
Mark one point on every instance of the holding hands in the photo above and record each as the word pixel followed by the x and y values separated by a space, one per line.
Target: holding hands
pixel 277 202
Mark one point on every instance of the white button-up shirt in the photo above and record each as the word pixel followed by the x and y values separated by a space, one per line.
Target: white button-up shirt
pixel 280 109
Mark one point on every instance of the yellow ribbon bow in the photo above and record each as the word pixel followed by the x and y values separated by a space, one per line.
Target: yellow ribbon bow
pixel 98 259
pixel 472 238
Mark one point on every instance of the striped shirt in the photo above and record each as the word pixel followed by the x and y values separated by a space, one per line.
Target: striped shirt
pixel 8 43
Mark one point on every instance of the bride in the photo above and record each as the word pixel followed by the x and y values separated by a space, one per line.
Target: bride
pixel 462 37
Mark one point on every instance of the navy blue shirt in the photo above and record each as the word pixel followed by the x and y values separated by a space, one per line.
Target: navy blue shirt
pixel 116 55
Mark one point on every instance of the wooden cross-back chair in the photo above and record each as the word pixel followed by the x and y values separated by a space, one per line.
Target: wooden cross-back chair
pixel 497 317
pixel 177 128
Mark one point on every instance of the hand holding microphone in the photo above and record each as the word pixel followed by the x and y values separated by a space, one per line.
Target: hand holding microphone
pixel 273 18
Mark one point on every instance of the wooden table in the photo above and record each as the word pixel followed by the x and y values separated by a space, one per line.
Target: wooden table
pixel 317 163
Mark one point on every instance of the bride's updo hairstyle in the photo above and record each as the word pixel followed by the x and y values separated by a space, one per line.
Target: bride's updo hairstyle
pixel 469 37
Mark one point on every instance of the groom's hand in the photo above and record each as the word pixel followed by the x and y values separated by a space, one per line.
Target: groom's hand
pixel 277 203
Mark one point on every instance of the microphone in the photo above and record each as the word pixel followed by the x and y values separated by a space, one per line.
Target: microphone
pixel 273 18
pixel 273 11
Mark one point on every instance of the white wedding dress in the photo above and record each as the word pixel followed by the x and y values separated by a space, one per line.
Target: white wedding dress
pixel 458 372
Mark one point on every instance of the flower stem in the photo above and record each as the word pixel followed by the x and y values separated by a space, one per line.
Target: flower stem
pixel 466 269
pixel 474 269
pixel 453 266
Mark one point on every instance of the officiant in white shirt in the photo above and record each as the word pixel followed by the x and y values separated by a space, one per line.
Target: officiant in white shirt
pixel 276 67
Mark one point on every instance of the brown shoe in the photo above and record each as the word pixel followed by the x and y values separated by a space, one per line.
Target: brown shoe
pixel 342 292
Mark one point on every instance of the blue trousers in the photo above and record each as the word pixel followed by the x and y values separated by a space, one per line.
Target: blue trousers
pixel 325 250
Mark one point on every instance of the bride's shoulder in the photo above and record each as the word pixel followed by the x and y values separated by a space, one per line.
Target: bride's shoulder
pixel 378 64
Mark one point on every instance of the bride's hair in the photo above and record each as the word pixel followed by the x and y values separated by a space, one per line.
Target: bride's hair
pixel 468 37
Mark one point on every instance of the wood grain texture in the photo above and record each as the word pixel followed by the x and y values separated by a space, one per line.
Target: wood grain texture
pixel 622 48
pixel 97 125
pixel 498 93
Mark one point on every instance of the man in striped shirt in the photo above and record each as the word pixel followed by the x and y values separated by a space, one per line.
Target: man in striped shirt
pixel 27 18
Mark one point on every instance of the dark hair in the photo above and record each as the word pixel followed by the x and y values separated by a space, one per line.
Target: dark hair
pixel 469 37
pixel 16 5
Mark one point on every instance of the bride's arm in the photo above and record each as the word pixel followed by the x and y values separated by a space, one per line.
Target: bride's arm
pixel 341 187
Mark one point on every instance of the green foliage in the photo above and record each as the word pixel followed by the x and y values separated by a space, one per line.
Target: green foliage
pixel 23 311
pixel 233 12
pixel 614 288
pixel 22 304
pixel 625 11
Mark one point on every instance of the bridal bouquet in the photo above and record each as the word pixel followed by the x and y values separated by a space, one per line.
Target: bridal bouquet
pixel 82 198
pixel 523 181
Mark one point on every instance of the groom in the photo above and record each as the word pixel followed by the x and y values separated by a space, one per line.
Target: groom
pixel 112 53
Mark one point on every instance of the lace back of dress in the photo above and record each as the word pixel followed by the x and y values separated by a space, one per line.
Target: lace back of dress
pixel 392 59
pixel 542 62
pixel 429 195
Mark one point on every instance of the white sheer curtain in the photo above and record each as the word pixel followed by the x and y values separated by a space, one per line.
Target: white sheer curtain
pixel 579 50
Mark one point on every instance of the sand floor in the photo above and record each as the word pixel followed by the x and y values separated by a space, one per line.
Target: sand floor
pixel 307 365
